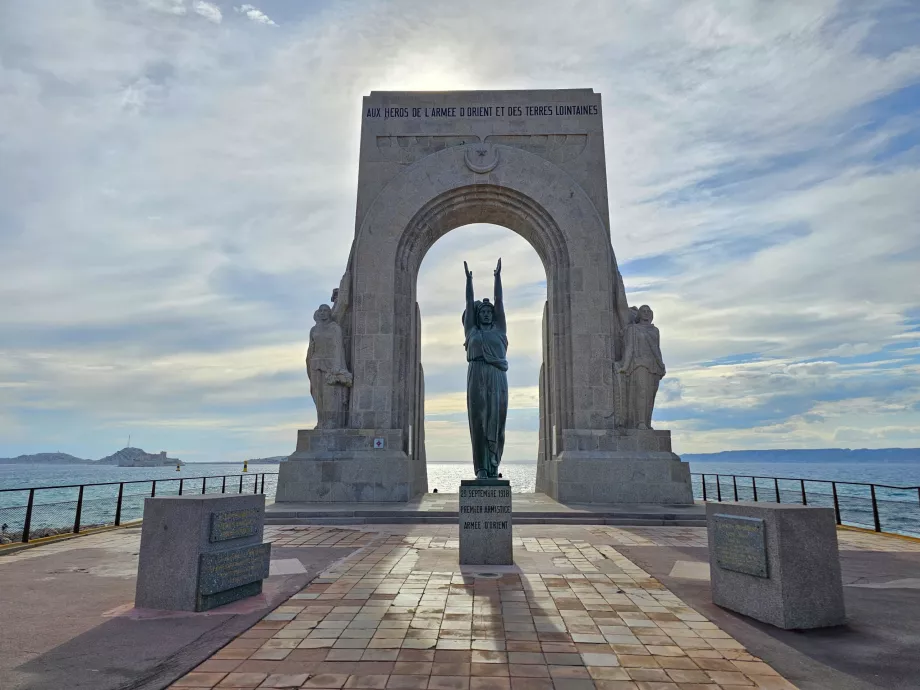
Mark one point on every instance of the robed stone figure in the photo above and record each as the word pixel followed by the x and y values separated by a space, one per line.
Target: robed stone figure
pixel 643 366
pixel 486 379
pixel 330 379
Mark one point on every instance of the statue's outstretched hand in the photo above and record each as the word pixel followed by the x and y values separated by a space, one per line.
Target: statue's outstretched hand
pixel 498 267
pixel 466 269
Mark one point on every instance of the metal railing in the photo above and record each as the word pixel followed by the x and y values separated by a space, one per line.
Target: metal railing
pixel 881 507
pixel 31 513
pixel 51 510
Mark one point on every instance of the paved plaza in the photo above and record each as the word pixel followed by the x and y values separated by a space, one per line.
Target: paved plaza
pixel 591 606
pixel 573 612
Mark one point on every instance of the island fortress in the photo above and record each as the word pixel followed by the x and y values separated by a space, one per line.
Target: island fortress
pixel 531 161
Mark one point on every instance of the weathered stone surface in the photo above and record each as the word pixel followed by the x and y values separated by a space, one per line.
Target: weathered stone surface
pixel 622 466
pixel 642 368
pixel 532 161
pixel 177 544
pixel 326 361
pixel 335 465
pixel 485 522
pixel 802 586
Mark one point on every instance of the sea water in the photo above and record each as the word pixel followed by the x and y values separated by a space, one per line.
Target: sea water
pixel 899 510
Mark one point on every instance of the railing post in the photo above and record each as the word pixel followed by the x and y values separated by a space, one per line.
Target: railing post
pixel 263 483
pixel 27 525
pixel 223 485
pixel 704 487
pixel 804 498
pixel 878 523
pixel 735 487
pixel 153 491
pixel 76 520
pixel 255 484
pixel 204 485
pixel 181 485
pixel 776 487
pixel 836 502
pixel 121 491
pixel 754 487
pixel 241 484
pixel 719 488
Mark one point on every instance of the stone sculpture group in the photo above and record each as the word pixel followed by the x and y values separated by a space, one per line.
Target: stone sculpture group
pixel 330 379
pixel 533 162
pixel 638 372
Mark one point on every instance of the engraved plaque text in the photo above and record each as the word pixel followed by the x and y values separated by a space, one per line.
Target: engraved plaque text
pixel 739 544
pixel 234 524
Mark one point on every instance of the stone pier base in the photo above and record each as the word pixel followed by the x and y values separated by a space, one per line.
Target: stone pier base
pixel 352 466
pixel 629 466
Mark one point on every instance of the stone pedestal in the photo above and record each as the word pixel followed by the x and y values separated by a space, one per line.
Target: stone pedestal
pixel 485 522
pixel 351 465
pixel 623 466
pixel 776 563
pixel 199 552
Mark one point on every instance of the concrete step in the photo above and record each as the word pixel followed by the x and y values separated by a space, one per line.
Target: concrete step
pixel 445 518
pixel 565 515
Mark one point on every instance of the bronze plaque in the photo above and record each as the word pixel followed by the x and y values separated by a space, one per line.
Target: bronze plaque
pixel 235 524
pixel 739 544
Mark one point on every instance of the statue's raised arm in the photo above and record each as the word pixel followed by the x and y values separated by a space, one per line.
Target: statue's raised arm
pixel 469 314
pixel 499 298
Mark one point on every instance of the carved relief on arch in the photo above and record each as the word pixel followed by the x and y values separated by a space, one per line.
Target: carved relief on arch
pixel 558 148
pixel 408 149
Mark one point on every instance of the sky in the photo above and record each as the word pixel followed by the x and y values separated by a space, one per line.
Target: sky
pixel 177 196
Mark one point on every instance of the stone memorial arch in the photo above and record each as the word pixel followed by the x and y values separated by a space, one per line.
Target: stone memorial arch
pixel 531 161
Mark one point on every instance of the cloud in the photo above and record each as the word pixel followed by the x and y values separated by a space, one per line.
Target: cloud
pixel 255 14
pixel 175 201
pixel 176 7
pixel 209 11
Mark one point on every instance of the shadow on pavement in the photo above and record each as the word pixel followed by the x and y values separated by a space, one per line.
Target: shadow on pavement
pixel 877 649
pixel 147 650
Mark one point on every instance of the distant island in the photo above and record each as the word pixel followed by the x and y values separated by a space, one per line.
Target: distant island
pixel 126 457
pixel 135 457
pixel 841 455
pixel 276 458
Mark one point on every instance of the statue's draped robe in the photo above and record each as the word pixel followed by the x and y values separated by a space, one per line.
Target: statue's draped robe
pixel 325 362
pixel 487 395
pixel 644 369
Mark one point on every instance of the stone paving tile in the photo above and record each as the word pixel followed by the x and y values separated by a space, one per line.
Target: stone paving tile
pixel 573 614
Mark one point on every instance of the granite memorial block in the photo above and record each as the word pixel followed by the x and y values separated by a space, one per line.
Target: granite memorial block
pixel 776 563
pixel 199 552
pixel 485 522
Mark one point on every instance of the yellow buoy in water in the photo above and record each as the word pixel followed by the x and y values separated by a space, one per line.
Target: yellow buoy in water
pixel 245 465
pixel 178 468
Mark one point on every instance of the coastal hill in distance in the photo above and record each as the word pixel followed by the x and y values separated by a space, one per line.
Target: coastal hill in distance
pixel 126 457
pixel 894 455
pixel 135 457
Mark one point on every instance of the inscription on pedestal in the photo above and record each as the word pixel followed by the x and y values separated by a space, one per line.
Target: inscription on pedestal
pixel 225 570
pixel 739 544
pixel 234 524
pixel 485 522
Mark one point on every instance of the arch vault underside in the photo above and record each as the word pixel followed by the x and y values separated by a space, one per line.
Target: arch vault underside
pixel 422 175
